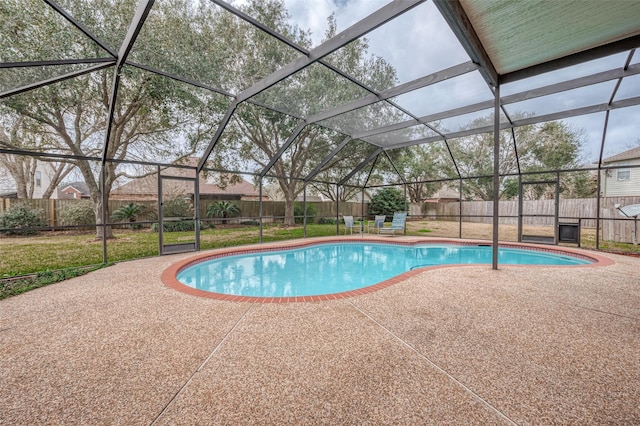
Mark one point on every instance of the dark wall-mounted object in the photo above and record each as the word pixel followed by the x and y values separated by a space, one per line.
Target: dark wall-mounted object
pixel 569 233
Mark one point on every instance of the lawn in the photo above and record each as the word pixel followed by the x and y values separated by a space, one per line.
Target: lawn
pixel 53 251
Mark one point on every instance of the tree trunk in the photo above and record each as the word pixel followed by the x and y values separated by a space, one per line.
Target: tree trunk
pixel 60 171
pixel 98 211
pixel 96 195
pixel 289 220
pixel 21 185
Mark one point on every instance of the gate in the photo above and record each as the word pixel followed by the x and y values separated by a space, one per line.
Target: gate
pixel 178 224
pixel 536 236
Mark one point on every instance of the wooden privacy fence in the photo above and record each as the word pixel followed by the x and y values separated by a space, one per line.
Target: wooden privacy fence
pixel 619 229
pixel 614 226
pixel 482 211
pixel 273 211
pixel 52 211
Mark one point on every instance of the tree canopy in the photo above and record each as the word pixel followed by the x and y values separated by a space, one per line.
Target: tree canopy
pixel 214 55
pixel 545 146
pixel 257 134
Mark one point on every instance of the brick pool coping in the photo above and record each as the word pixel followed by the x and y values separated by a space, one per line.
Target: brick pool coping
pixel 169 275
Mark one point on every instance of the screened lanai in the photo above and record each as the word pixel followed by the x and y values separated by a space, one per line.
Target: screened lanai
pixel 462 95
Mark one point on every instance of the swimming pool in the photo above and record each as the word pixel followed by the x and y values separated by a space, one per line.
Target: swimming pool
pixel 334 268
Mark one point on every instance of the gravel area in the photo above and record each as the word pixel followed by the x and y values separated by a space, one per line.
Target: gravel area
pixel 453 345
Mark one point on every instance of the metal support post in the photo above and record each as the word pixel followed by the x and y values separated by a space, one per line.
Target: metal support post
pixel 556 231
pixel 598 208
pixel 196 208
pixel 337 209
pixel 362 212
pixel 405 208
pixel 304 210
pixel 520 205
pixel 160 213
pixel 496 174
pixel 104 212
pixel 460 211
pixel 260 206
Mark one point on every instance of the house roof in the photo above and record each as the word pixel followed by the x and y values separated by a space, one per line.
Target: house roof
pixel 238 188
pixel 626 155
pixel 446 192
pixel 148 185
pixel 79 186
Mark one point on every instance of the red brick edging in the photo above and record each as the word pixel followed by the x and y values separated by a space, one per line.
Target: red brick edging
pixel 169 275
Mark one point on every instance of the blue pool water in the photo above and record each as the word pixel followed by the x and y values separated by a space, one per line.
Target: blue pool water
pixel 339 267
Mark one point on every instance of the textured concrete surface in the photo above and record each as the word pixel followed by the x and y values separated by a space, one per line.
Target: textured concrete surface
pixel 456 345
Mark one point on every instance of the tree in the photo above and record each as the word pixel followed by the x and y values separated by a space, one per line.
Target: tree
pixel 420 164
pixel 256 134
pixel 541 147
pixel 339 167
pixel 151 114
pixel 335 193
pixel 387 201
pixel 22 169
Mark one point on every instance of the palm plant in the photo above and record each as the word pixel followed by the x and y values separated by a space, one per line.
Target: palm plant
pixel 127 212
pixel 223 209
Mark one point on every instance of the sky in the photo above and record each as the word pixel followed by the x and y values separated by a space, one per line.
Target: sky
pixel 420 42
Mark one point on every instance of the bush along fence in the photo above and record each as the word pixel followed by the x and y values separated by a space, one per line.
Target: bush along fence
pixel 63 212
pixel 56 213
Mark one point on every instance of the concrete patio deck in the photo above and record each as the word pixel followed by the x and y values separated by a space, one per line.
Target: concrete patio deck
pixel 456 345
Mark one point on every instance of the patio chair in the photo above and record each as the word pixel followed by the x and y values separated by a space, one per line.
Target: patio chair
pixel 397 224
pixel 378 223
pixel 348 224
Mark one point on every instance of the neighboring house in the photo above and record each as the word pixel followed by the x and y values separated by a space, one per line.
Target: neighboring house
pixel 358 197
pixel 146 188
pixel 41 177
pixel 312 198
pixel 624 181
pixel 444 195
pixel 73 191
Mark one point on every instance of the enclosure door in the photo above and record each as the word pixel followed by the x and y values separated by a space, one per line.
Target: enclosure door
pixel 178 229
pixel 538 218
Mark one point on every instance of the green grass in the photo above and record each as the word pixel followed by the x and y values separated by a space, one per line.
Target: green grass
pixel 26 255
pixel 424 230
pixel 589 241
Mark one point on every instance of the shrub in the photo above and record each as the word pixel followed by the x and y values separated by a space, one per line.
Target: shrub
pixel 178 226
pixel 223 209
pixel 127 212
pixel 250 223
pixel 387 201
pixel 176 207
pixel 327 221
pixel 80 213
pixel 298 212
pixel 21 216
